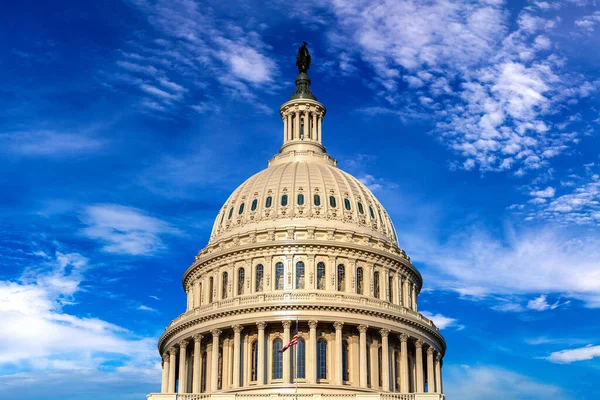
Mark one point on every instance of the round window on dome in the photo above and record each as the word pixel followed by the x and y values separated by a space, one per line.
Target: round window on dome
pixel 284 200
pixel 371 212
pixel 360 208
pixel 241 210
pixel 332 201
pixel 317 200
pixel 230 213
pixel 254 205
pixel 347 204
pixel 268 202
pixel 300 199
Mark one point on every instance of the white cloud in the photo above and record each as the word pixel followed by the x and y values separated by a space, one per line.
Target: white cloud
pixel 540 303
pixel 38 335
pixel 125 230
pixel 442 321
pixel 548 192
pixel 589 22
pixel 546 259
pixel 490 91
pixel 572 355
pixel 494 383
pixel 48 143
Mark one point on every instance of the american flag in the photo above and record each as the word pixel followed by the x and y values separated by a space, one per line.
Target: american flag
pixel 292 342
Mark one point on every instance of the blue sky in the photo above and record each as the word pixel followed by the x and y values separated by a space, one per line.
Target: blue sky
pixel 126 124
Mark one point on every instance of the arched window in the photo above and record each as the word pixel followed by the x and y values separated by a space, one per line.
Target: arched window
pixel 332 202
pixel 241 209
pixel 254 205
pixel 230 213
pixel 299 275
pixel 300 199
pixel 410 294
pixel 371 212
pixel 401 292
pixel 277 359
pixel 360 208
pixel 300 371
pixel 279 276
pixel 260 273
pixel 390 288
pixel 284 200
pixel 317 200
pixel 254 355
pixel 376 284
pixel 241 281
pixel 204 360
pixel 345 367
pixel 268 202
pixel 321 359
pixel 211 287
pixel 347 204
pixel 341 278
pixel 321 276
pixel 225 282
pixel 359 280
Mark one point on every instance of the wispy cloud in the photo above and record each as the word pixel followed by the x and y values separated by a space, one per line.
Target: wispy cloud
pixel 48 143
pixel 493 91
pixel 125 230
pixel 443 322
pixel 573 355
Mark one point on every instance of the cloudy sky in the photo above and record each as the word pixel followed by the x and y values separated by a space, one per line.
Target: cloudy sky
pixel 125 125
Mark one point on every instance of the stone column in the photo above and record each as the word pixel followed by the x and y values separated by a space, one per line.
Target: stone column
pixel 165 373
pixel 396 291
pixel 312 359
pixel 313 131
pixel 404 363
pixel 197 367
pixel 385 360
pixel 286 354
pixel 362 355
pixel 414 296
pixel 297 125
pixel 430 377
pixel 214 366
pixel 237 337
pixel 406 292
pixel 438 373
pixel 197 294
pixel 261 352
pixel 172 366
pixel 285 128
pixel 319 127
pixel 338 352
pixel 419 366
pixel 225 367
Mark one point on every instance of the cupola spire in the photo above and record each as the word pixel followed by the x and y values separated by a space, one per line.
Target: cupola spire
pixel 302 115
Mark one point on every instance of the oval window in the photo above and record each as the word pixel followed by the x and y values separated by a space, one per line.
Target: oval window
pixel 269 202
pixel 284 200
pixel 254 205
pixel 360 208
pixel 300 199
pixel 347 204
pixel 241 210
pixel 371 212
pixel 230 213
pixel 317 200
pixel 332 202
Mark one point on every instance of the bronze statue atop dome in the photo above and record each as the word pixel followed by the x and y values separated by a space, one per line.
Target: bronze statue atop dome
pixel 303 58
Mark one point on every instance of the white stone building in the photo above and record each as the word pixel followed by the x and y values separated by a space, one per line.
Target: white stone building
pixel 303 244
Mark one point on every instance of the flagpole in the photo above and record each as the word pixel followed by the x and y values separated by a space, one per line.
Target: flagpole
pixel 296 362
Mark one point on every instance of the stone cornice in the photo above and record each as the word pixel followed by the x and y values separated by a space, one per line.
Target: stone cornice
pixel 195 320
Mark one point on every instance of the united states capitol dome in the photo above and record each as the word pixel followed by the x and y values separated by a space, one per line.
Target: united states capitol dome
pixel 302 292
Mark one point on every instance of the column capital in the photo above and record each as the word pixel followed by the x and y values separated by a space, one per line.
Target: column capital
pixel 430 351
pixel 363 328
pixel 384 332
pixel 216 332
pixel 312 324
pixel 165 357
pixel 183 344
pixel 261 325
pixel 338 325
pixel 419 343
pixel 237 328
pixel 286 324
pixel 403 337
pixel 173 350
pixel 438 357
pixel 197 338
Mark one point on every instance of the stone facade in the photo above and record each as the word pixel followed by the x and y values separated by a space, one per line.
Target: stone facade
pixel 302 247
